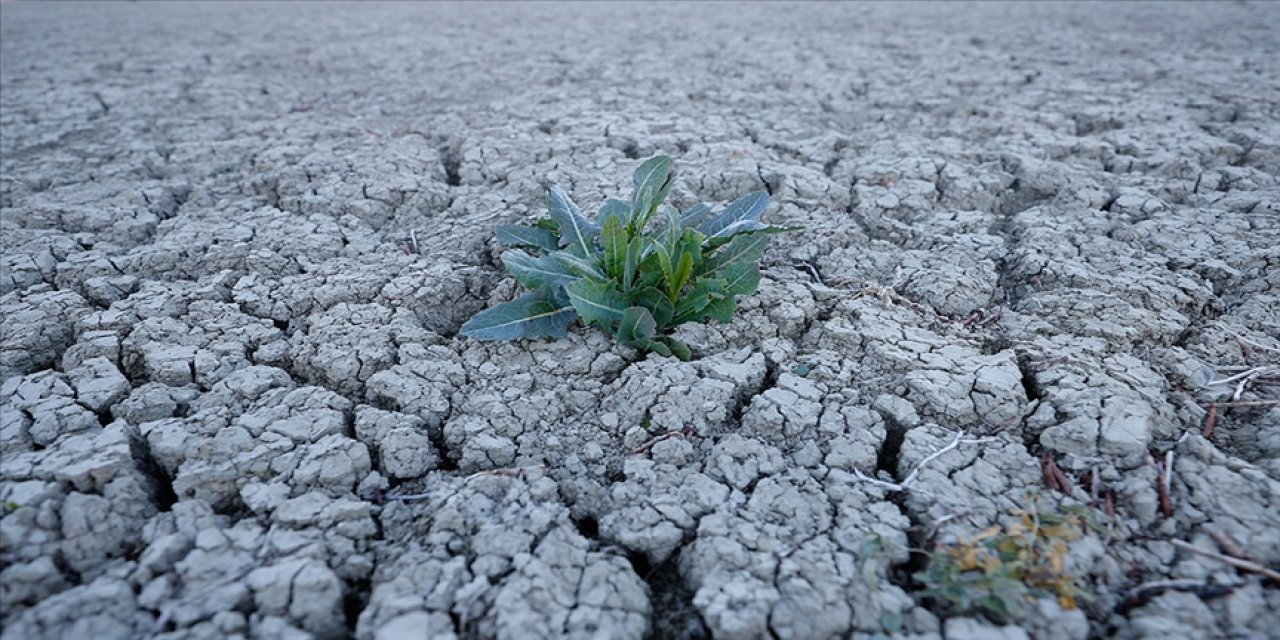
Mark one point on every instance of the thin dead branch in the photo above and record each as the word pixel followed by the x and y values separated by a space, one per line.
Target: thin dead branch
pixel 908 483
pixel 1242 403
pixel 1162 486
pixel 1053 475
pixel 1228 545
pixel 1246 374
pixel 1210 421
pixel 1243 565
pixel 656 439
pixel 813 271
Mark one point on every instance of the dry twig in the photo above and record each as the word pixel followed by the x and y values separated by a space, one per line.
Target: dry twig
pixel 1162 486
pixel 813 271
pixel 1248 377
pixel 1243 565
pixel 1228 545
pixel 1053 475
pixel 907 484
pixel 1210 421
pixel 1243 403
pixel 656 439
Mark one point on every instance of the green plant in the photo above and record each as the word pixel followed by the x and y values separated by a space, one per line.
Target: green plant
pixel 1002 569
pixel 634 279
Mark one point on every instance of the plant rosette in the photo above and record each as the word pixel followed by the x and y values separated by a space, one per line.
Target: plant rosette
pixel 638 270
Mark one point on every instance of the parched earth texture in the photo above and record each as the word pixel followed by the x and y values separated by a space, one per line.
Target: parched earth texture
pixel 239 241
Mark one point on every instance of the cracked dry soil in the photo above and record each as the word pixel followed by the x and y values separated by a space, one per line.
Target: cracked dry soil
pixel 238 241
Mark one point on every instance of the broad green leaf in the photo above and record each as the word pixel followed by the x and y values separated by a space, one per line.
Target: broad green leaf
pixel 531 315
pixel 596 301
pixel 631 261
pixel 741 278
pixel 721 310
pixel 753 228
pixel 654 345
pixel 699 295
pixel 678 349
pixel 585 267
pixel 663 257
pixel 613 209
pixel 674 229
pixel 740 226
pixel 748 207
pixel 641 210
pixel 684 269
pixel 652 184
pixel 744 248
pixel 658 304
pixel 535 273
pixel 614 239
pixel 688 307
pixel 691 243
pixel 650 275
pixel 695 215
pixel 576 232
pixel 637 324
pixel 523 235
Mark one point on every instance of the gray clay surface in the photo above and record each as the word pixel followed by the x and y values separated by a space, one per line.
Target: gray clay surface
pixel 238 241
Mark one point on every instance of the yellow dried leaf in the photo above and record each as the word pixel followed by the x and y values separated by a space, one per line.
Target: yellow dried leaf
pixel 1056 561
pixel 1067 602
pixel 968 559
pixel 1061 530
pixel 986 533
pixel 991 564
pixel 1009 545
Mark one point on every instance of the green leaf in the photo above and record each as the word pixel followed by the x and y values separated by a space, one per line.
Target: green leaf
pixel 642 210
pixel 690 307
pixel 684 269
pixel 654 345
pixel 755 228
pixel 689 249
pixel 613 208
pixel 523 235
pixel 637 324
pixel 663 257
pixel 585 267
pixel 695 215
pixel 531 315
pixel 576 232
pixel 631 261
pixel 748 207
pixel 596 301
pixel 658 304
pixel 614 239
pixel 679 349
pixel 741 226
pixel 741 278
pixel 536 273
pixel 721 310
pixel 745 248
pixel 652 184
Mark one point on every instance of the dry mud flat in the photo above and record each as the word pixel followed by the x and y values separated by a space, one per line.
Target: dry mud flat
pixel 238 242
